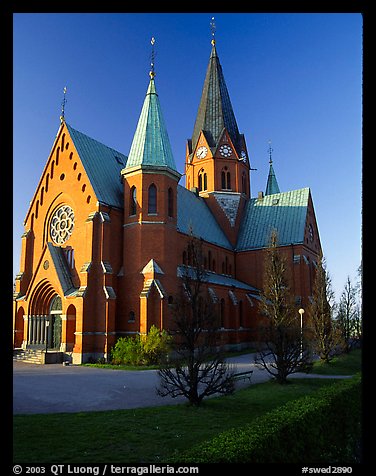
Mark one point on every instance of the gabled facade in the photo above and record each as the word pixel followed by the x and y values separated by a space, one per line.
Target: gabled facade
pixel 106 234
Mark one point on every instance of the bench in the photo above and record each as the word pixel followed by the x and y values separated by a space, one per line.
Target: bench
pixel 243 375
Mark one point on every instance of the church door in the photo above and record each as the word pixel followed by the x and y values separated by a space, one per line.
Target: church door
pixel 56 331
pixel 55 323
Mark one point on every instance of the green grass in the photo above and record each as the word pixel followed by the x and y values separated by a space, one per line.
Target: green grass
pixel 344 364
pixel 150 435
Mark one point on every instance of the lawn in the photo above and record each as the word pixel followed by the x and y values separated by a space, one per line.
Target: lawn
pixel 150 435
pixel 344 364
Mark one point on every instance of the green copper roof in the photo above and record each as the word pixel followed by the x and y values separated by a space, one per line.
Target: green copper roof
pixel 195 216
pixel 151 145
pixel 286 212
pixel 215 110
pixel 272 184
pixel 62 268
pixel 102 165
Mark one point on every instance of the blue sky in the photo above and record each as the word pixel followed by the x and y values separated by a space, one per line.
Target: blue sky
pixel 294 79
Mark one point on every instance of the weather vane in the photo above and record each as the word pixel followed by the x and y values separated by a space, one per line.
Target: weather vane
pixel 212 29
pixel 270 150
pixel 152 58
pixel 63 103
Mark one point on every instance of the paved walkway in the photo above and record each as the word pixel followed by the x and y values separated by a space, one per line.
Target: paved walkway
pixel 56 388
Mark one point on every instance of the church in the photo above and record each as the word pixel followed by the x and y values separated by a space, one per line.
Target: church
pixel 105 237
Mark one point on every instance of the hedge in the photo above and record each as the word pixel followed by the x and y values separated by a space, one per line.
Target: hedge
pixel 319 428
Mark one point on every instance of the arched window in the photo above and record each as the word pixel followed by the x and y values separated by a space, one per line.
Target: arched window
pixel 152 199
pixel 170 199
pixel 202 180
pixel 133 201
pixel 222 314
pixel 240 313
pixel 225 179
pixel 244 183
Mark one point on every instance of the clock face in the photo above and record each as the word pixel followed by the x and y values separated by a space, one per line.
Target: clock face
pixel 225 150
pixel 201 152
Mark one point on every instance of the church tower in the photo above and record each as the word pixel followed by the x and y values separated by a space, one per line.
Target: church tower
pixel 150 217
pixel 217 161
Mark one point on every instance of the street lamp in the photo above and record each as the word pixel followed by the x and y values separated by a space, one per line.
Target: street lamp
pixel 301 312
pixel 47 326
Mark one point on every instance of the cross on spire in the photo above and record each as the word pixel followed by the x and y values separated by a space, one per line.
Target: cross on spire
pixel 63 103
pixel 212 30
pixel 152 58
pixel 270 150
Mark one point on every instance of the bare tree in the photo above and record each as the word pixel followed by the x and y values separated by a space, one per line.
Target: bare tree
pixel 347 314
pixel 196 368
pixel 326 334
pixel 283 347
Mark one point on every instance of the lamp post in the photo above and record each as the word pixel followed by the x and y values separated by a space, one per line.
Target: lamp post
pixel 47 326
pixel 301 312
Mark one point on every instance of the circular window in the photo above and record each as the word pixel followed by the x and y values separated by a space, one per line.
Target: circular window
pixel 62 224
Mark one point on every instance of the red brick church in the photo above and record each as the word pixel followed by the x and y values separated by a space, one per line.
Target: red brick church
pixel 106 234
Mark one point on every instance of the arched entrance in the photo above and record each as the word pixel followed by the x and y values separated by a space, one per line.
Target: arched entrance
pixel 44 321
pixel 55 326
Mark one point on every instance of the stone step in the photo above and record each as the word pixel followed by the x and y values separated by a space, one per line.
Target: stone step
pixel 28 356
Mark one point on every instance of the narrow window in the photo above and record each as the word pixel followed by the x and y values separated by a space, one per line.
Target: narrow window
pixel 199 182
pixel 228 181
pixel 205 182
pixel 170 202
pixel 240 313
pixel 133 201
pixel 244 183
pixel 223 179
pixel 152 199
pixel 222 314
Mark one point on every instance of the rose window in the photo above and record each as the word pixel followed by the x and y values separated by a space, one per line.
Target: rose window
pixel 62 224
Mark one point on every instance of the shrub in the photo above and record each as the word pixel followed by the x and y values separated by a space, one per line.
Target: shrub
pixel 141 349
pixel 155 345
pixel 320 428
pixel 128 351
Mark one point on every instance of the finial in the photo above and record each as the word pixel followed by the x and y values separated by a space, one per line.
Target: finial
pixel 270 150
pixel 212 29
pixel 63 103
pixel 152 58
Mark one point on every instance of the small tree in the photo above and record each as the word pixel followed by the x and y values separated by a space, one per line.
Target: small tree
pixel 327 339
pixel 282 349
pixel 196 369
pixel 347 314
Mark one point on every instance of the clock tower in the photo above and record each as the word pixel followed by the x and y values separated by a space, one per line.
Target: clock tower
pixel 217 161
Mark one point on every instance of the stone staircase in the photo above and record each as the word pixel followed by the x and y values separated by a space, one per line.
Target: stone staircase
pixel 29 356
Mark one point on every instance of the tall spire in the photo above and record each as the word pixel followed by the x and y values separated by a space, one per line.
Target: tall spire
pixel 215 110
pixel 272 184
pixel 151 145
